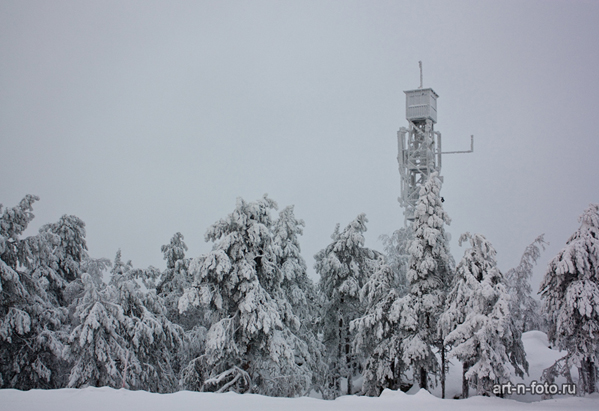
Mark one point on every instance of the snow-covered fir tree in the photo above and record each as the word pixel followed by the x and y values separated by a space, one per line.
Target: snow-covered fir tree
pixel 13 223
pixel 251 344
pixel 97 348
pixel 96 267
pixel 456 308
pixel 174 280
pixel 524 308
pixel 344 266
pixel 295 283
pixel 380 332
pixel 75 290
pixel 299 291
pixel 396 249
pixel 429 273
pixel 570 292
pixel 71 248
pixel 153 342
pixel 35 272
pixel 478 323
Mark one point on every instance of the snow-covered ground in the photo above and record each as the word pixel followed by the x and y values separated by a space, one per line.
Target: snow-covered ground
pixel 95 399
pixel 539 357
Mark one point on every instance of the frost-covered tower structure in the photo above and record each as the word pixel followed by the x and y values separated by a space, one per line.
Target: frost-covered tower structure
pixel 419 146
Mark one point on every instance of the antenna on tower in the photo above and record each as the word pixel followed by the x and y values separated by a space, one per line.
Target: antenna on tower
pixel 419 146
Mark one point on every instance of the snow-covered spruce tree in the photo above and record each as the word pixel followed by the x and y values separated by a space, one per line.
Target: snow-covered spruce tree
pixel 456 308
pixel 295 283
pixel 302 314
pixel 97 348
pixel 397 255
pixel 379 333
pixel 174 280
pixel 71 247
pixel 153 342
pixel 247 346
pixel 430 268
pixel 344 266
pixel 157 343
pixel 479 323
pixel 524 308
pixel 33 314
pixel 570 291
pixel 96 267
pixel 13 223
pixel 75 291
pixel 54 256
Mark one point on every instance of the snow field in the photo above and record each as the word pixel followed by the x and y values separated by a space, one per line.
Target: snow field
pixel 101 399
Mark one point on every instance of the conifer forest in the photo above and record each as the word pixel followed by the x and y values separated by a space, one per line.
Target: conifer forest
pixel 245 317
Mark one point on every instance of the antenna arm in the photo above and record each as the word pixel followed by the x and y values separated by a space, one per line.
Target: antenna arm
pixel 463 152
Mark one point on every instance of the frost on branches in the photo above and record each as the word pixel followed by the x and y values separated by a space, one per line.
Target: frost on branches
pixel 478 323
pixel 524 308
pixel 380 332
pixel 174 280
pixel 298 288
pixel 96 346
pixel 121 336
pixel 570 291
pixel 151 339
pixel 252 343
pixel 35 273
pixel 397 256
pixel 344 266
pixel 429 274
pixel 299 295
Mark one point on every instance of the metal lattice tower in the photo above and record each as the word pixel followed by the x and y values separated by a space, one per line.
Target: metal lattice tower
pixel 419 146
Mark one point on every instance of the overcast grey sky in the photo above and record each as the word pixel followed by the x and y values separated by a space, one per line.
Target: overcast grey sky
pixel 145 118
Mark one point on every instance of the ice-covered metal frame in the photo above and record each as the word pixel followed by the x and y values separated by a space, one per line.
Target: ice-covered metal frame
pixel 419 146
pixel 419 156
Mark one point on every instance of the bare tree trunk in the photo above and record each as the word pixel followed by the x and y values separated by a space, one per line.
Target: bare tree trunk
pixel 395 382
pixel 588 375
pixel 423 378
pixel 339 356
pixel 348 363
pixel 592 376
pixel 442 370
pixel 464 380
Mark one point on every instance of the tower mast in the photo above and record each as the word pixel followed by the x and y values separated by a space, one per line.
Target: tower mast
pixel 419 146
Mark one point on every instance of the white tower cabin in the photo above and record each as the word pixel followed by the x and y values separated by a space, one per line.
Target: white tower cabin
pixel 419 146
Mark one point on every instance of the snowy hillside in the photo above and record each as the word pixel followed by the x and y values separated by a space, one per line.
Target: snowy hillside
pixel 96 399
